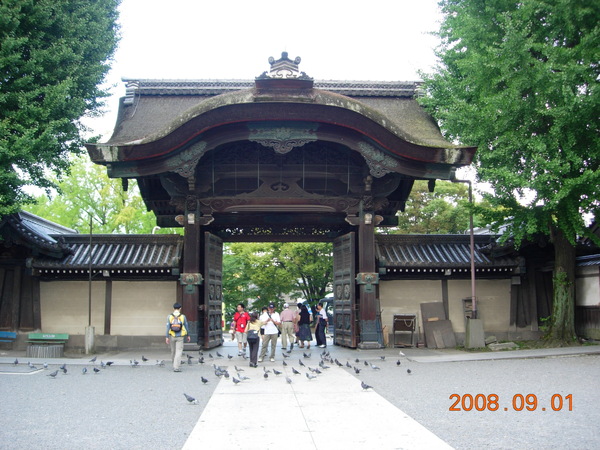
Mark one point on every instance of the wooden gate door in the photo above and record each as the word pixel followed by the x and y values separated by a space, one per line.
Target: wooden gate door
pixel 210 314
pixel 344 290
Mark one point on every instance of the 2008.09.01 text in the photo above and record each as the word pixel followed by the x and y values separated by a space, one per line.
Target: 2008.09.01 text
pixel 519 402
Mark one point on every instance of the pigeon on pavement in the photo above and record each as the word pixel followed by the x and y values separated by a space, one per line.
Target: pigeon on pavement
pixel 365 386
pixel 190 399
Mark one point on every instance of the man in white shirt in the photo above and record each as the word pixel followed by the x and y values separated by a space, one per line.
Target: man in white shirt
pixel 273 321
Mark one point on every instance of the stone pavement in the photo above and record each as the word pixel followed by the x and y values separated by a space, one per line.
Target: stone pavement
pixel 330 411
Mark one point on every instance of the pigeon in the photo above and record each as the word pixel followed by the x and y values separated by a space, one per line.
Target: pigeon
pixel 284 363
pixel 401 354
pixel 53 374
pixel 144 358
pixel 306 355
pixel 365 386
pixel 237 369
pixel 265 370
pixel 29 364
pixel 210 356
pixel 317 371
pixel 93 360
pixel 204 380
pixel 226 374
pixel 109 363
pixel 63 367
pixel 276 372
pixel 301 363
pixel 84 370
pixel 219 355
pixel 229 356
pixel 408 371
pixel 96 370
pixel 289 380
pixel 348 364
pixel 323 366
pixel 357 360
pixel 64 371
pixel 366 364
pixel 102 364
pixel 201 360
pixel 235 380
pixel 16 363
pixel 242 377
pixel 398 363
pixel 295 372
pixel 265 375
pixel 285 355
pixel 190 399
pixel 374 367
pixel 382 358
pixel 310 377
pixel 160 363
pixel 45 365
pixel 189 360
pixel 356 370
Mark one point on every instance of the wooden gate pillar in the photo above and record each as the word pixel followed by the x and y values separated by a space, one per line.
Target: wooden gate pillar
pixel 371 335
pixel 191 277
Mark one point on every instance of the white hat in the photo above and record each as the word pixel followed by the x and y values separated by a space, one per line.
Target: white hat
pixel 285 305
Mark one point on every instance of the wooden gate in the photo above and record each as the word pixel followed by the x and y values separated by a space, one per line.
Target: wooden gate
pixel 210 314
pixel 344 290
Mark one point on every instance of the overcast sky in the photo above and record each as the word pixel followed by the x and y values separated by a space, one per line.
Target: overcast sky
pixel 380 40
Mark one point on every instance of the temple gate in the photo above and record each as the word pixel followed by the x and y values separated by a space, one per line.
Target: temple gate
pixel 280 158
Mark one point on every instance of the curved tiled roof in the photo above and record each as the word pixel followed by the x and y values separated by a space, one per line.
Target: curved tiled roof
pixel 116 252
pixel 35 232
pixel 439 252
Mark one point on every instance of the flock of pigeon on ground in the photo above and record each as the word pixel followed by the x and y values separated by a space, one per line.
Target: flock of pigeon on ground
pixel 326 361
pixel 223 372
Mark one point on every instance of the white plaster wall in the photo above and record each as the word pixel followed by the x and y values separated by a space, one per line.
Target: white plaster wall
pixel 405 297
pixel 140 308
pixel 587 286
pixel 64 306
pixel 493 303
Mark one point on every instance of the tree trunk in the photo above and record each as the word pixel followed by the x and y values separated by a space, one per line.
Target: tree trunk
pixel 562 326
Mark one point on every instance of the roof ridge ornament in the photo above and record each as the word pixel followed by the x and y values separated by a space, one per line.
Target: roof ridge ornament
pixel 284 68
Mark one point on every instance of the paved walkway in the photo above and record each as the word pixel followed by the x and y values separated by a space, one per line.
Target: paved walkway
pixel 329 411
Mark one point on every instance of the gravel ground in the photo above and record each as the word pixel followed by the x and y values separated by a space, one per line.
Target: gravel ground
pixel 123 407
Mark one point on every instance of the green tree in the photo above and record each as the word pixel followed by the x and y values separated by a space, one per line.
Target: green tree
pixel 519 79
pixel 88 191
pixel 443 211
pixel 53 56
pixel 272 270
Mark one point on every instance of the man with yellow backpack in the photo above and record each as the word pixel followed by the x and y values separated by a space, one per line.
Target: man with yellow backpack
pixel 177 326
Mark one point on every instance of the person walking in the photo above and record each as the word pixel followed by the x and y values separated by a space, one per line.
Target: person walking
pixel 240 319
pixel 272 323
pixel 253 337
pixel 304 321
pixel 321 326
pixel 177 326
pixel 287 326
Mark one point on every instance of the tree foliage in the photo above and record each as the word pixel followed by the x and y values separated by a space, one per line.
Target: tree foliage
pixel 88 191
pixel 443 211
pixel 267 272
pixel 53 56
pixel 519 79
